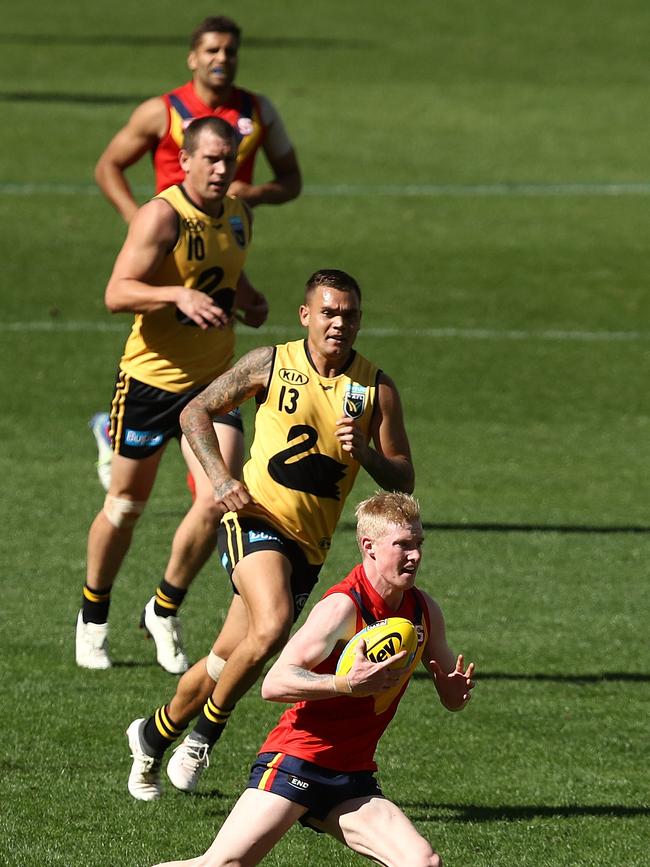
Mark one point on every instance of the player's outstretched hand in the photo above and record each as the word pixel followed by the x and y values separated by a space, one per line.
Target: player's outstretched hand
pixel 231 495
pixel 201 309
pixel 454 688
pixel 367 678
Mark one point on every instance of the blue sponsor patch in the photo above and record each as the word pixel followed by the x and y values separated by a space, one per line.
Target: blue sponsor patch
pixel 142 438
pixel 237 229
pixel 225 561
pixel 261 536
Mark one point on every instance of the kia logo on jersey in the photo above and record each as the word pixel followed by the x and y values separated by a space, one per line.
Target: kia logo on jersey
pixel 293 377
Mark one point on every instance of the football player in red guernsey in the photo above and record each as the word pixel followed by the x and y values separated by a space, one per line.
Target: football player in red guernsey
pixel 156 126
pixel 317 765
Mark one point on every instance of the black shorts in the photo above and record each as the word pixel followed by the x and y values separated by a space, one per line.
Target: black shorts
pixel 144 418
pixel 238 537
pixel 319 789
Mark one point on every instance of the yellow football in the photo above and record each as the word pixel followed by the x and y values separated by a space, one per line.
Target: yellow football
pixel 383 639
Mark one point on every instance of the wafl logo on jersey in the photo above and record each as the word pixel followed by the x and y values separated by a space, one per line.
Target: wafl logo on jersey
pixel 354 400
pixel 237 229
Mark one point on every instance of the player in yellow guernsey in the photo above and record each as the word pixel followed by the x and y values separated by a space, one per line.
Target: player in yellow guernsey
pixel 208 256
pixel 180 272
pixel 323 412
pixel 298 466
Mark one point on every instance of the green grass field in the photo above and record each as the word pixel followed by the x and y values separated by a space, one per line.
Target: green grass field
pixel 484 170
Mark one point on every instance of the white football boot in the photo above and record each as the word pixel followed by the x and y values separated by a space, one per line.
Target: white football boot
pixel 99 425
pixel 187 763
pixel 91 644
pixel 144 780
pixel 166 633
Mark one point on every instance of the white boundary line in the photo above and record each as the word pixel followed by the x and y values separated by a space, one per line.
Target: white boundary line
pixel 389 190
pixel 62 327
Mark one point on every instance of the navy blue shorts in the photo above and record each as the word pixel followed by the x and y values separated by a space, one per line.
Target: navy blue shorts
pixel 238 537
pixel 144 418
pixel 319 789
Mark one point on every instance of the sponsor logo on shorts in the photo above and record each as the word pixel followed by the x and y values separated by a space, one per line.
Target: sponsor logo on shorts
pixel 142 438
pixel 298 784
pixel 419 630
pixel 261 536
pixel 293 377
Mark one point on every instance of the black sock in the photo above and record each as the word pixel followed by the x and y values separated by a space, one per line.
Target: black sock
pixel 160 731
pixel 211 722
pixel 168 599
pixel 95 605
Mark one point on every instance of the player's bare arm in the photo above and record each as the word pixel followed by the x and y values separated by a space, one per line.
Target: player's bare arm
pixel 247 377
pixel 152 234
pixel 453 681
pixel 285 185
pixel 389 463
pixel 143 131
pixel 331 621
pixel 251 303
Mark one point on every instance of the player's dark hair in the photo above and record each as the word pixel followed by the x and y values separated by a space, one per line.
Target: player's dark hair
pixel 217 125
pixel 215 24
pixel 334 279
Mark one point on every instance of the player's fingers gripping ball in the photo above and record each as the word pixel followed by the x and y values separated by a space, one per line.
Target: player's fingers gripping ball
pixel 383 640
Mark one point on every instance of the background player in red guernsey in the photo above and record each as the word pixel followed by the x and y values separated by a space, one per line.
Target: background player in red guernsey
pixel 317 765
pixel 157 125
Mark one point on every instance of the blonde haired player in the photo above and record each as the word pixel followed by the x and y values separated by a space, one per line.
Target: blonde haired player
pixel 317 765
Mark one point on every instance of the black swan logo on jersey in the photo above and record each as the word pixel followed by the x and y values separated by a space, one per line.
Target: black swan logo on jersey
pixel 208 282
pixel 354 400
pixel 314 474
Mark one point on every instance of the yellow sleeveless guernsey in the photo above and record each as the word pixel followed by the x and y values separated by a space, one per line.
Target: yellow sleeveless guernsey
pixel 166 349
pixel 298 473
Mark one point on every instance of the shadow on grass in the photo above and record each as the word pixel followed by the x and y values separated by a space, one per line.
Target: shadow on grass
pixel 496 527
pixel 516 812
pixel 542 676
pixel 482 527
pixel 516 527
pixel 134 663
pixel 67 98
pixel 151 40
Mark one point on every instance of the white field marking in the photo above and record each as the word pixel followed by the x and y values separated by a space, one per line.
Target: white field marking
pixel 409 190
pixel 59 327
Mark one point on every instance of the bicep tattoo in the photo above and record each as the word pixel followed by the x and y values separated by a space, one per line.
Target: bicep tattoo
pixel 248 376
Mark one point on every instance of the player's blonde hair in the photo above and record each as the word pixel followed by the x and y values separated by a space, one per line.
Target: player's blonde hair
pixel 383 510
